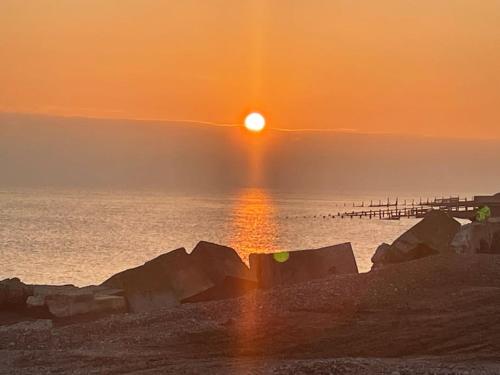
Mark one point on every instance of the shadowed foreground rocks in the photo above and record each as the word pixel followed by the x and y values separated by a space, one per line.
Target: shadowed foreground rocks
pixel 209 272
pixel 435 315
pixel 478 237
pixel 302 265
pixel 13 293
pixel 433 235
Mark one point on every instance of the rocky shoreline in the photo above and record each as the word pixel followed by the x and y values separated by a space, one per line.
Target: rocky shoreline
pixel 430 305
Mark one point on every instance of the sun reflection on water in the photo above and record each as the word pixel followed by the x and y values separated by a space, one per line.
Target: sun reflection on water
pixel 253 227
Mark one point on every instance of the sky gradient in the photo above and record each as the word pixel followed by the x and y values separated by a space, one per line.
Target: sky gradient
pixel 389 66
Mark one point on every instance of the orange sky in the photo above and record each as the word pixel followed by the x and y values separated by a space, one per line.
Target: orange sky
pixel 427 67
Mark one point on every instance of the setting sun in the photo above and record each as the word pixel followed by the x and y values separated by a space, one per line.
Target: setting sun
pixel 255 122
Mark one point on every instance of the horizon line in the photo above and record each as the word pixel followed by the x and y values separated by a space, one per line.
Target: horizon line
pixel 241 125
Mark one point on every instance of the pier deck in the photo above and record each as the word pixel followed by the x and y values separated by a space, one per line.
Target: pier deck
pixel 461 208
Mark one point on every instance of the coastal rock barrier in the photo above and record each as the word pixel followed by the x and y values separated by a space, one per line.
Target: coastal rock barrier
pixel 432 235
pixel 209 272
pixel 439 233
pixel 213 272
pixel 478 237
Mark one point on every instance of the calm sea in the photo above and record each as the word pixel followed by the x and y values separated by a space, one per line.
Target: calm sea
pixel 83 237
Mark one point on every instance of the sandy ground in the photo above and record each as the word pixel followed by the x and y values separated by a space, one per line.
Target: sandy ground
pixel 438 315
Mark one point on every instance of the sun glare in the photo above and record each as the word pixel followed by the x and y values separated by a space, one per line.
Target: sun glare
pixel 255 122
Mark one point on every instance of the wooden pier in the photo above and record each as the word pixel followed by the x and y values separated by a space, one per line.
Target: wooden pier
pixel 395 213
pixel 462 208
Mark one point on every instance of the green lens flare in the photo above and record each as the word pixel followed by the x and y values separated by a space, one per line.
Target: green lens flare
pixel 281 257
pixel 483 213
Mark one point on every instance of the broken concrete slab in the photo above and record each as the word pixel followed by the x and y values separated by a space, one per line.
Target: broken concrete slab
pixel 177 276
pixel 302 265
pixel 432 235
pixel 478 237
pixel 63 301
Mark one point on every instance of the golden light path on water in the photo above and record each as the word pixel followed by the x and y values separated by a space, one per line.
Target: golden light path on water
pixel 253 227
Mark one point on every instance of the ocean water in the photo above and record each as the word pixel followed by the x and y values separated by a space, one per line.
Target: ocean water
pixel 83 237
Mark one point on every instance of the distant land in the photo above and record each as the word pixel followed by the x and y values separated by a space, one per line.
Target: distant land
pixel 45 151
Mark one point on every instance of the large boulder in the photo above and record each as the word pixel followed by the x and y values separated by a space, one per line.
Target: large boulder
pixel 66 301
pixel 225 269
pixel 432 235
pixel 210 272
pixel 161 282
pixel 13 293
pixel 298 266
pixel 382 254
pixel 478 237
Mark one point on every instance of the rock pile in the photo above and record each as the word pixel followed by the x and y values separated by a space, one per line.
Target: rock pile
pixel 432 235
pixel 478 237
pixel 68 301
pixel 438 233
pixel 210 272
pixel 58 301
pixel 214 272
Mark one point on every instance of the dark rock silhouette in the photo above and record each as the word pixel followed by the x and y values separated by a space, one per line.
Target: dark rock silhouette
pixel 13 293
pixel 430 236
pixel 478 237
pixel 210 272
pixel 302 265
pixel 382 254
pixel 160 282
pixel 64 301
pixel 223 266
